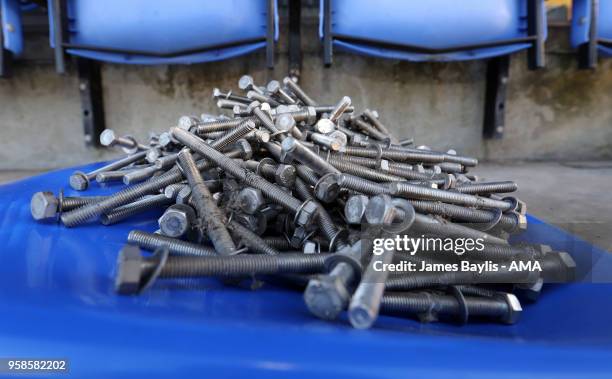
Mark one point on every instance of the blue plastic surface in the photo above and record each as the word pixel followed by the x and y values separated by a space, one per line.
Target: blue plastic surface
pixel 57 301
pixel 10 22
pixel 431 24
pixel 581 23
pixel 164 27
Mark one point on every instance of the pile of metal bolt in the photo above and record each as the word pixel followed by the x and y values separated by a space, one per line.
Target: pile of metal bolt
pixel 283 191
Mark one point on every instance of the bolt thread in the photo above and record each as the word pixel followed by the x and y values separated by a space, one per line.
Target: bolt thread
pixel 392 154
pixel 151 242
pixel 441 227
pixel 487 188
pixel 361 185
pixel 369 129
pixel 422 302
pixel 223 125
pixel 139 175
pixel 243 265
pixel 307 174
pixel 477 291
pixel 70 203
pixel 279 243
pixel 412 191
pixel 506 222
pixel 129 210
pixel 233 135
pixel 308 157
pixel 266 121
pixel 254 242
pixel 418 280
pixel 123 162
pixel 364 172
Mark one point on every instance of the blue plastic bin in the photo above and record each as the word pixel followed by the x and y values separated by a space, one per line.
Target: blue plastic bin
pixel 58 301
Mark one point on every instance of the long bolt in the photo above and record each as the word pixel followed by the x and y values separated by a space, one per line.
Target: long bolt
pixel 365 303
pixel 487 188
pixel 304 155
pixel 339 109
pixel 135 270
pixel 211 216
pixel 152 242
pixel 139 206
pixel 299 92
pixel 80 181
pixel 379 125
pixel 411 191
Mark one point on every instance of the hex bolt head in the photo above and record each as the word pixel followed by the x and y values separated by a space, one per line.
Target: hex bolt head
pixel 177 220
pixel 327 188
pixel 44 205
pixel 380 210
pixel 250 200
pixel 354 209
pixel 245 148
pixel 285 122
pixel 187 122
pixel 514 309
pixel 107 137
pixel 529 291
pixel 245 82
pixel 79 181
pixel 306 214
pixel 326 297
pixel 129 270
pixel 273 86
pixel 310 247
pixel 325 126
pixel 285 175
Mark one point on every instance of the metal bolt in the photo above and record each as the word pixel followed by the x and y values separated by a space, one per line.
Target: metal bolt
pixel 211 217
pixel 80 181
pixel 299 92
pixel 427 306
pixel 177 220
pixel 129 210
pixel 136 272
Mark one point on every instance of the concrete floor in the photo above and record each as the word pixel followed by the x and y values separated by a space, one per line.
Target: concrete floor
pixel 574 196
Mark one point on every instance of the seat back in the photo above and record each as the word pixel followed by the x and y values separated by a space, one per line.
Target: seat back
pixel 436 30
pixel 162 32
pixel 591 30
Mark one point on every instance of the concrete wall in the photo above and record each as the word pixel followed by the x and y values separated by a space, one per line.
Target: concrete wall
pixel 559 113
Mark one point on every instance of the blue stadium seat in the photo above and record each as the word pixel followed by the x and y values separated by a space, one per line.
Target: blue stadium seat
pixel 152 32
pixel 162 32
pixel 592 30
pixel 437 30
pixel 11 36
pixel 441 30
